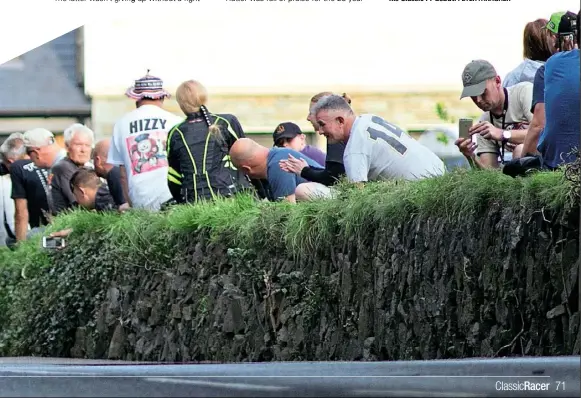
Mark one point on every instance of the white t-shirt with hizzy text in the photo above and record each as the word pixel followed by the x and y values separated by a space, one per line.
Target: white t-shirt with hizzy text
pixel 139 144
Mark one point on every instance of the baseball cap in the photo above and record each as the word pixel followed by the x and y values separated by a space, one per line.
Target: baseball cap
pixel 562 22
pixel 474 77
pixel 38 137
pixel 286 130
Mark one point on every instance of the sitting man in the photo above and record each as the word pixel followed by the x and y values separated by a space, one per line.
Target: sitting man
pixel 111 173
pixel 289 135
pixel 558 127
pixel 260 162
pixel 375 149
pixel 504 123
pixel 90 192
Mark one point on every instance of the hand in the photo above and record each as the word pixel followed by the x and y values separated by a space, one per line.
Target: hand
pixel 62 233
pixel 466 147
pixel 510 146
pixel 486 130
pixel 293 165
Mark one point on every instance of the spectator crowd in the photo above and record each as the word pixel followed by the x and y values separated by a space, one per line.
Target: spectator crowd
pixel 155 158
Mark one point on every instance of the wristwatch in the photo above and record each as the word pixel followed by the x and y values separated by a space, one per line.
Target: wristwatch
pixel 506 136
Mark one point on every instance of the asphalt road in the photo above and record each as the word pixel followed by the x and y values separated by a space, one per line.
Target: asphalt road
pixel 38 377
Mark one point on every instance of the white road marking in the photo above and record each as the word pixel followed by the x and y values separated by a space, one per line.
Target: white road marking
pixel 29 373
pixel 203 383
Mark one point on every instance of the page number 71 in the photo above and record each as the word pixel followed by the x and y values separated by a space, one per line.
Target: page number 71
pixel 560 386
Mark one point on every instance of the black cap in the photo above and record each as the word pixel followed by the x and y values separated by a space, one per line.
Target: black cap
pixel 286 130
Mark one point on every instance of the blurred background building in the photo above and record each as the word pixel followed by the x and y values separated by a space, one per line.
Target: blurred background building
pixel 264 69
pixel 45 88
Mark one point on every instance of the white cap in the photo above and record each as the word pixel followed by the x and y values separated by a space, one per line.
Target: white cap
pixel 38 137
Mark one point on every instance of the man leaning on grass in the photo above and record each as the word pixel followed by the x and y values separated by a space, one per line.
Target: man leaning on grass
pixel 375 149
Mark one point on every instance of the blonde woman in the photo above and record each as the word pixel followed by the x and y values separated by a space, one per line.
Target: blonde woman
pixel 197 149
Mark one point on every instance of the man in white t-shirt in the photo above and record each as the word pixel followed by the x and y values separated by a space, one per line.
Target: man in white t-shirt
pixel 506 117
pixel 138 145
pixel 375 149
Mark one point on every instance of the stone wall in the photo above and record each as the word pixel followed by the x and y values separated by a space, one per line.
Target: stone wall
pixel 497 277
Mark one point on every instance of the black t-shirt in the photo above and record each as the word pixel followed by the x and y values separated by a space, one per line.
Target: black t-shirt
pixel 61 194
pixel 104 200
pixel 31 183
pixel 115 187
pixel 538 88
pixel 335 152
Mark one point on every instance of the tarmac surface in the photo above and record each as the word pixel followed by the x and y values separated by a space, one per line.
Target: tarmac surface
pixel 510 377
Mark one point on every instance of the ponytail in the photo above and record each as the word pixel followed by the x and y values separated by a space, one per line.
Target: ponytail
pixel 346 98
pixel 214 129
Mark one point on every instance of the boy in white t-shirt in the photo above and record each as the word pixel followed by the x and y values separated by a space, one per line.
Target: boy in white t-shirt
pixel 138 145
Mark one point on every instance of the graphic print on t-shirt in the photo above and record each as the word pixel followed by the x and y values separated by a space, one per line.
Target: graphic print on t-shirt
pixel 147 151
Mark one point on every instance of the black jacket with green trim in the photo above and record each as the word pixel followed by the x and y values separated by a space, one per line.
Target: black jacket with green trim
pixel 199 162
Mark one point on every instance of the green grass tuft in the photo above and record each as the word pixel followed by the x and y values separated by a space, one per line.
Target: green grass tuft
pixel 306 227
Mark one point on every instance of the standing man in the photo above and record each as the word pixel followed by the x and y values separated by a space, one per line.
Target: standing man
pixel 29 185
pixel 138 145
pixel 374 148
pixel 45 152
pixel 10 151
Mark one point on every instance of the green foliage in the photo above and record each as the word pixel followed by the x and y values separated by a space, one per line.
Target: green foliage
pixel 442 137
pixel 45 295
pixel 443 114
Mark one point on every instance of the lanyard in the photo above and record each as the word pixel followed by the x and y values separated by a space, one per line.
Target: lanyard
pixel 504 110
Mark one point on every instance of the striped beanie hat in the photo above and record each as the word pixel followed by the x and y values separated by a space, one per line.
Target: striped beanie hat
pixel 149 87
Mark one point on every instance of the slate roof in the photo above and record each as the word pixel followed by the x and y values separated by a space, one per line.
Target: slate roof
pixel 44 83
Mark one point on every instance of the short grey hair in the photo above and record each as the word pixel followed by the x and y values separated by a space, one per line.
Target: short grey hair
pixel 331 103
pixel 76 128
pixel 13 147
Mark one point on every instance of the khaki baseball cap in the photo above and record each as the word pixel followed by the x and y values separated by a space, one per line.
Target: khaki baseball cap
pixel 38 137
pixel 474 77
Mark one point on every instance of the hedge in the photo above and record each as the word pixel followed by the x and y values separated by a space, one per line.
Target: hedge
pixel 473 263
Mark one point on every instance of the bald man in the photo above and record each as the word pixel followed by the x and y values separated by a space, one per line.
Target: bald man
pixel 260 162
pixel 110 173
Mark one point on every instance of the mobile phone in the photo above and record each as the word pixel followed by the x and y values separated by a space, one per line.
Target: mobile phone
pixel 49 242
pixel 463 127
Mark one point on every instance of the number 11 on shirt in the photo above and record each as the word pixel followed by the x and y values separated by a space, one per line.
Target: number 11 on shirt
pixel 391 141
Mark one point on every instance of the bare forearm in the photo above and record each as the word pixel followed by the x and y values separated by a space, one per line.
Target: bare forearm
pixel 532 140
pixel 125 185
pixel 518 136
pixel 21 225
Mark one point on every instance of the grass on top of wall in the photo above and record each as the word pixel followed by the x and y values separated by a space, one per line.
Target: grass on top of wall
pixel 306 227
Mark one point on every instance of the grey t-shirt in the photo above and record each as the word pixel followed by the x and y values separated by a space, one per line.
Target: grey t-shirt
pixel 378 150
